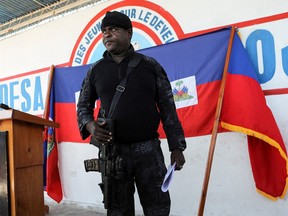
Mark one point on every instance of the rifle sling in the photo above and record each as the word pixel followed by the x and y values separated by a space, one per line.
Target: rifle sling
pixel 134 61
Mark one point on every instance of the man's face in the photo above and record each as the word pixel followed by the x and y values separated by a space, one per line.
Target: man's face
pixel 116 40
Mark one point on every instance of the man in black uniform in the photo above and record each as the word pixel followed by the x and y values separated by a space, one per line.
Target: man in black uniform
pixel 147 99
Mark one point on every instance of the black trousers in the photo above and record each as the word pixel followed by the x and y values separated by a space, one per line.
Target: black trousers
pixel 141 164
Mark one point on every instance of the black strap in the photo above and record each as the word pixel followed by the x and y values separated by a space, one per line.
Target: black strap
pixel 134 61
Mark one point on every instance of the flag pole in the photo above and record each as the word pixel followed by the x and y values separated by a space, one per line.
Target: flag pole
pixel 215 126
pixel 47 101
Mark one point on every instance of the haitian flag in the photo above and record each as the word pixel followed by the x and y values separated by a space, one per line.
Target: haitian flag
pixel 194 67
pixel 52 181
pixel 52 176
pixel 244 110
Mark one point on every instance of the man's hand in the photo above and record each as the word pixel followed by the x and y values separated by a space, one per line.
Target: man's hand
pixel 96 129
pixel 178 157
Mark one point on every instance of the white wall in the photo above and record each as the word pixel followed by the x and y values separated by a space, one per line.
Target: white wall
pixel 231 187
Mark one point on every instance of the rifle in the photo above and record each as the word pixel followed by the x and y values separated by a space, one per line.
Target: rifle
pixel 105 164
pixel 109 163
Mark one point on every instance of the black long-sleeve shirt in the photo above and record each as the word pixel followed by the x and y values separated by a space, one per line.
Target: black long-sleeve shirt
pixel 146 99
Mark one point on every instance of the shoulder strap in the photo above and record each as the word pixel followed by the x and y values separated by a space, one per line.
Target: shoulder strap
pixel 134 61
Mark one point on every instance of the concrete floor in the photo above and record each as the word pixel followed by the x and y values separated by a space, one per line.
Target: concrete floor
pixel 72 210
pixel 68 208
